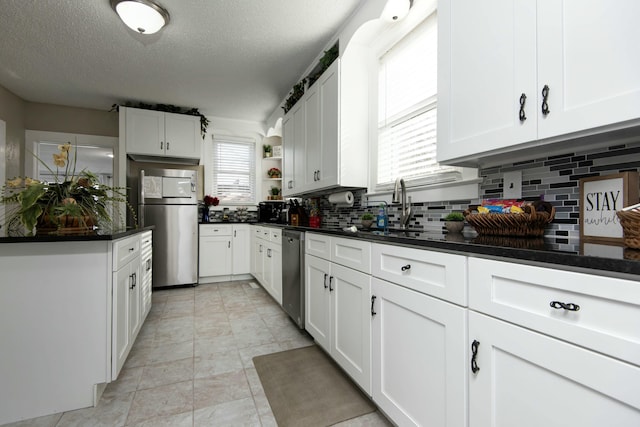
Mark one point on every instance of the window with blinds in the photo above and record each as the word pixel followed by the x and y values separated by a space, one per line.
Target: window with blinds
pixel 407 111
pixel 234 170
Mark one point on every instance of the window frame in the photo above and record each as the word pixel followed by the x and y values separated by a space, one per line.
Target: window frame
pixel 210 164
pixel 422 189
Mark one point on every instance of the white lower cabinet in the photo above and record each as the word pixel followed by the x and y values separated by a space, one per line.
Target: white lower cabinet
pixel 419 357
pixel 146 272
pixel 338 315
pixel 127 316
pixel 223 250
pixel 528 379
pixel 266 259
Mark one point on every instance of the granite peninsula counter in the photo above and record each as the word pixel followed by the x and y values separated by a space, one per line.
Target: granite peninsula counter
pixel 70 310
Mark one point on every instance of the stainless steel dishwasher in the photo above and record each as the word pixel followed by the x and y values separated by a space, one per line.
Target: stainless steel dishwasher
pixel 293 275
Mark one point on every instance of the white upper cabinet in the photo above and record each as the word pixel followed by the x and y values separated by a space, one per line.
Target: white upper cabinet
pixel 155 133
pixel 533 70
pixel 325 135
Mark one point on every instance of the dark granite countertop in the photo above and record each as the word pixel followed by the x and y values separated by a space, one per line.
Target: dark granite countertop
pixel 226 222
pixel 76 238
pixel 607 259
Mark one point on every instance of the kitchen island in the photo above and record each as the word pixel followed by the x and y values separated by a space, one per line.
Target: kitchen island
pixel 70 310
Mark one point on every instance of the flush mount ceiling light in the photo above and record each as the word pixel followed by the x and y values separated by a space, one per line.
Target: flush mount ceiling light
pixel 142 16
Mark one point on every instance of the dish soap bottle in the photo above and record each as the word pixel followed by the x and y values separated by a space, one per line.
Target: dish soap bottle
pixel 382 218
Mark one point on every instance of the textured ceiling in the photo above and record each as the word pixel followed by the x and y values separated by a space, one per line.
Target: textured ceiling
pixel 228 58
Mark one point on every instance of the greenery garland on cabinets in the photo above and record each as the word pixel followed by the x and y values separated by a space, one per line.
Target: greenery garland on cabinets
pixel 168 108
pixel 323 63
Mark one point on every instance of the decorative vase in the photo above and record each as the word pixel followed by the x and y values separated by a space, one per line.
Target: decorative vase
pixel 205 214
pixel 454 226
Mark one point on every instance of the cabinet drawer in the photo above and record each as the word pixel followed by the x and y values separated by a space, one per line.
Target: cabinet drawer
pixel 275 235
pixel 318 245
pixel 146 243
pixel 216 230
pixel 125 250
pixel 607 318
pixel 438 274
pixel 351 253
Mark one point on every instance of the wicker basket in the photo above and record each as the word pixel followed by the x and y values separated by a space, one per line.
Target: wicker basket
pixel 630 221
pixel 527 224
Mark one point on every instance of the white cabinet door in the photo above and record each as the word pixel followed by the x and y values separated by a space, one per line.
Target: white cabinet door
pixel 214 256
pixel 121 338
pixel 313 138
pixel 259 253
pixel 241 249
pixel 484 66
pixel 293 141
pixel 135 315
pixel 329 87
pixel 182 135
pixel 144 132
pixel 584 57
pixel 578 50
pixel 420 362
pixel 288 154
pixel 527 379
pixel 318 300
pixel 273 271
pixel 351 323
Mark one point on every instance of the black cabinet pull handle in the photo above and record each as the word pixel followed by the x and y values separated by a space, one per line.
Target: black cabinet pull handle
pixel 167 145
pixel 373 300
pixel 325 280
pixel 161 145
pixel 545 98
pixel 318 172
pixel 330 283
pixel 474 353
pixel 567 306
pixel 523 100
pixel 405 267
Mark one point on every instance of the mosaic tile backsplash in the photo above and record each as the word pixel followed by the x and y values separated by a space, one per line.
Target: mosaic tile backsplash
pixel 555 179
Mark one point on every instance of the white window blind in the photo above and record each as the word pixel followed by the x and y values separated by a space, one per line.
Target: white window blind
pixel 407 111
pixel 234 170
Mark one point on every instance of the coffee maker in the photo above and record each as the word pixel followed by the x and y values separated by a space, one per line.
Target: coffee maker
pixel 271 211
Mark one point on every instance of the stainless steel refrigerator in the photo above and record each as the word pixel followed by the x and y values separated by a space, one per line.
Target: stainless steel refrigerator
pixel 168 201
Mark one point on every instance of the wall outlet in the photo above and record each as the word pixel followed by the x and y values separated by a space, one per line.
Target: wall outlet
pixel 512 185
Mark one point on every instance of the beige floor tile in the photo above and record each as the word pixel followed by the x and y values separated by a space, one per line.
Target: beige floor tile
pixel 161 401
pixel 254 381
pixel 127 381
pixel 247 354
pixel 221 363
pixel 164 373
pixel 254 338
pixel 208 347
pixel 373 419
pixel 236 413
pixel 262 405
pixel 169 352
pixel 179 420
pixel 111 411
pixel 220 388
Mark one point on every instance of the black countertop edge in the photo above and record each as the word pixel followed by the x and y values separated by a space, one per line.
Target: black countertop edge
pixel 565 260
pixel 75 238
pixel 228 222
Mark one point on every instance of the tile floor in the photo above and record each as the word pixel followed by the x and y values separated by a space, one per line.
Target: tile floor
pixel 191 364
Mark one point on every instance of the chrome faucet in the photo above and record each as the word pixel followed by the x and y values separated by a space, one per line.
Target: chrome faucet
pixel 400 195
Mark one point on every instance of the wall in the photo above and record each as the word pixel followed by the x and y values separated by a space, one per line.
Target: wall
pixel 59 118
pixel 12 111
pixel 554 178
